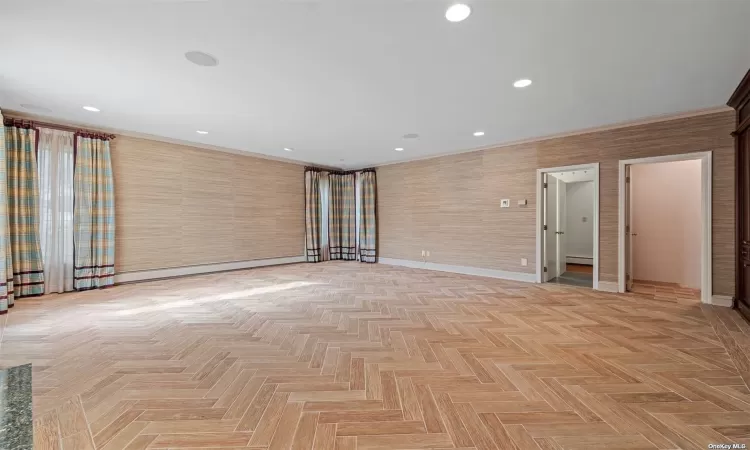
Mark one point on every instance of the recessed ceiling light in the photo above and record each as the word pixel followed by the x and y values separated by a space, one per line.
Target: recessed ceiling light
pixel 478 133
pixel 201 59
pixel 201 132
pixel 457 12
pixel 399 149
pixel 91 108
pixel 287 149
pixel 522 83
pixel 411 136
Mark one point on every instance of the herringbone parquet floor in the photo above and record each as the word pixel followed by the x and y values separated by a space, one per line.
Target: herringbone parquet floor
pixel 346 356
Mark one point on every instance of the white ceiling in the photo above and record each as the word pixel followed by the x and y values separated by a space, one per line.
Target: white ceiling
pixel 341 81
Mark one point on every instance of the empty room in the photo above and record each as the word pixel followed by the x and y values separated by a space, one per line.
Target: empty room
pixel 374 224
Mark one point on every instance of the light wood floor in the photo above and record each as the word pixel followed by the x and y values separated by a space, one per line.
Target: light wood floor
pixel 579 268
pixel 666 291
pixel 345 356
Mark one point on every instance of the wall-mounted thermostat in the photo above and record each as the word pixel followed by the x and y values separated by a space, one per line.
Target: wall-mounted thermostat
pixel 505 203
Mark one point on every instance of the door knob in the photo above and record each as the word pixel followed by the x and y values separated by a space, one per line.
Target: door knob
pixel 634 234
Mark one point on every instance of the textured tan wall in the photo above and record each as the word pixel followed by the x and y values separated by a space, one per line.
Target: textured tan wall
pixel 451 205
pixel 181 206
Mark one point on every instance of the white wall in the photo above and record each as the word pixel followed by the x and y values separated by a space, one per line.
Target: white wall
pixel 666 216
pixel 580 220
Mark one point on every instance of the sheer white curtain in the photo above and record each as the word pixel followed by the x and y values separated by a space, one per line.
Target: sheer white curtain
pixel 358 207
pixel 55 165
pixel 324 196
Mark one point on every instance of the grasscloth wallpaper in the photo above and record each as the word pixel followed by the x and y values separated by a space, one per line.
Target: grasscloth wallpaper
pixel 182 206
pixel 451 205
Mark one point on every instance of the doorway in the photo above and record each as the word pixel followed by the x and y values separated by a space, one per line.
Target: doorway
pixel 665 226
pixel 568 225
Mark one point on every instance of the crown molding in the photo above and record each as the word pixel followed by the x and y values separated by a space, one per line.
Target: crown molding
pixel 151 137
pixel 615 126
pixel 741 95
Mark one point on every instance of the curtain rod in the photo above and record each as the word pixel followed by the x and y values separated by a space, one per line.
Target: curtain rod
pixel 36 124
pixel 337 172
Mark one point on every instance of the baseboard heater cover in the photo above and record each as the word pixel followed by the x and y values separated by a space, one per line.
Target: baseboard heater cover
pixel 585 260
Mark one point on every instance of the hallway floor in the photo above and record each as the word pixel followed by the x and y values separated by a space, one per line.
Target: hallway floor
pixel 580 275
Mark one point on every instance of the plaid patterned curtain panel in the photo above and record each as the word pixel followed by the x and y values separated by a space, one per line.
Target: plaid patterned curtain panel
pixel 6 259
pixel 368 219
pixel 23 211
pixel 93 214
pixel 342 217
pixel 312 216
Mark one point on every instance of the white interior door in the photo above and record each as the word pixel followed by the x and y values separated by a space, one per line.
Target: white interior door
pixel 551 250
pixel 562 250
pixel 628 232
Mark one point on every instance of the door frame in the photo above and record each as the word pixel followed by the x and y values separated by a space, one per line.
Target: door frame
pixel 706 199
pixel 540 217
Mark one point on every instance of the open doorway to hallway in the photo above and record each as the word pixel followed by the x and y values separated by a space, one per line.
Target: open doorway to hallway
pixel 569 244
pixel 665 227
pixel 568 225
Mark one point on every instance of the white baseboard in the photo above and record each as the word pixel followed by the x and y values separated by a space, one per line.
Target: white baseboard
pixel 722 300
pixel 608 286
pixel 466 270
pixel 141 275
pixel 579 260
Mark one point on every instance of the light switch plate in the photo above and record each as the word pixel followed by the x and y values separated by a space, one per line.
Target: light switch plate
pixel 505 203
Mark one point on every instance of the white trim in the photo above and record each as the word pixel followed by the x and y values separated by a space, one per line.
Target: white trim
pixel 166 140
pixel 722 300
pixel 466 270
pixel 706 202
pixel 142 275
pixel 578 132
pixel 587 261
pixel 608 286
pixel 540 217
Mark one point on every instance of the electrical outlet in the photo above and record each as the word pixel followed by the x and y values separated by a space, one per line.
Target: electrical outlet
pixel 505 203
pixel 423 253
pixel 428 253
pixel 524 262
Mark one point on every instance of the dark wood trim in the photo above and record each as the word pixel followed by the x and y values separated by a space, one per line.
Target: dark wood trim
pixel 35 125
pixel 741 94
pixel 94 135
pixel 737 224
pixel 740 102
pixel 744 311
pixel 337 172
pixel 742 127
